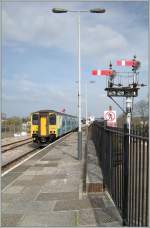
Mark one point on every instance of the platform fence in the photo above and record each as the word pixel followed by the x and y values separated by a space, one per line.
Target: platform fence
pixel 124 160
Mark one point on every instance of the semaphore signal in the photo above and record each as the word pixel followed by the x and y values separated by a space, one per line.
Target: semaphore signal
pixel 128 63
pixel 103 72
pixel 128 91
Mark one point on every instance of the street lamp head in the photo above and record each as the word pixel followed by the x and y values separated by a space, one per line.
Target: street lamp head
pixel 59 10
pixel 97 10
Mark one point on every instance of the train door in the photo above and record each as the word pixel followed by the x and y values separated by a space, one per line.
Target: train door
pixel 43 125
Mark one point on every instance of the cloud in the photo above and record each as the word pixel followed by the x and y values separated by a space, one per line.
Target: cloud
pixel 37 28
pixel 103 95
pixel 23 89
pixel 107 38
pixel 31 30
pixel 101 39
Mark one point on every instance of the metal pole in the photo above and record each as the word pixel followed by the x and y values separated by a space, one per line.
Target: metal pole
pixel 86 114
pixel 125 199
pixel 129 124
pixel 129 111
pixel 79 96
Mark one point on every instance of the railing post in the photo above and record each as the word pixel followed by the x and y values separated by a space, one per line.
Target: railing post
pixel 125 175
pixel 111 162
pixel 104 153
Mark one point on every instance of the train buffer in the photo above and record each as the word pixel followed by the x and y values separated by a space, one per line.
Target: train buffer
pixel 48 190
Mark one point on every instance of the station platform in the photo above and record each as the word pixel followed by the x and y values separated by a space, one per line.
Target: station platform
pixel 47 190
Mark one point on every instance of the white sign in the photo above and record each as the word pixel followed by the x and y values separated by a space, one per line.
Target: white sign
pixel 110 116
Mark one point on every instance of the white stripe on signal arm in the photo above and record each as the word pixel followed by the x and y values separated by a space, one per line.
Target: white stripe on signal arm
pixel 123 62
pixel 99 72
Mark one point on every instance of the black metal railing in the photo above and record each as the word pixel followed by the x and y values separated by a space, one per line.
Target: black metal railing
pixel 124 160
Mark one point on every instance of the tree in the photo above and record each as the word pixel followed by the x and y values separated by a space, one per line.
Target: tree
pixel 121 120
pixel 140 113
pixel 141 109
pixel 17 121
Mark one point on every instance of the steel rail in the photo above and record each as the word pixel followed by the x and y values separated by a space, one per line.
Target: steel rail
pixel 15 146
pixel 19 158
pixel 8 144
pixel 35 149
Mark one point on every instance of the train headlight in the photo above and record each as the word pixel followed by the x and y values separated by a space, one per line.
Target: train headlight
pixel 52 132
pixel 35 132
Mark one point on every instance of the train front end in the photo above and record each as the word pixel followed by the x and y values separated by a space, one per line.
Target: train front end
pixel 34 126
pixel 43 128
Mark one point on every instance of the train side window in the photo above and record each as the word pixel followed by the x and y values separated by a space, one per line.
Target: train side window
pixel 35 119
pixel 63 122
pixel 52 119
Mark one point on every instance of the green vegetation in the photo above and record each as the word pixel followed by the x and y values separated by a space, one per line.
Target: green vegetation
pixel 140 114
pixel 12 125
pixel 17 121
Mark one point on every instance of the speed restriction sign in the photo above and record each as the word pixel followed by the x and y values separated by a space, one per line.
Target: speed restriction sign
pixel 110 116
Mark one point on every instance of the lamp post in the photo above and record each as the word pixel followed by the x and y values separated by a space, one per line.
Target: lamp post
pixel 86 100
pixel 96 10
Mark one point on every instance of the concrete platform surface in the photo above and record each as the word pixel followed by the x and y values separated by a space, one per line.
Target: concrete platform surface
pixel 47 190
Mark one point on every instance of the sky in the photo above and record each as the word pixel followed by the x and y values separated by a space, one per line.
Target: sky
pixel 40 53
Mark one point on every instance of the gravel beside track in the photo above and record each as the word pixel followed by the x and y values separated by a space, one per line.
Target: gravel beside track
pixel 16 153
pixel 14 145
pixel 18 160
pixel 14 139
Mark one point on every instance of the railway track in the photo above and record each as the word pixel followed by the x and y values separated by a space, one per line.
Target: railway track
pixel 13 145
pixel 18 157
pixel 13 153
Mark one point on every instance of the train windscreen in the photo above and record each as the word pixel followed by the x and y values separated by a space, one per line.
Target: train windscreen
pixel 35 119
pixel 52 119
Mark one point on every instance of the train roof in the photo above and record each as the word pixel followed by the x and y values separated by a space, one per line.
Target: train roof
pixel 47 110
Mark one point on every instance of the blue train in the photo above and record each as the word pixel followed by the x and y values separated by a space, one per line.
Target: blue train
pixel 48 125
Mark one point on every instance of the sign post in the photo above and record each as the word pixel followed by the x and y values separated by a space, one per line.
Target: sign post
pixel 110 117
